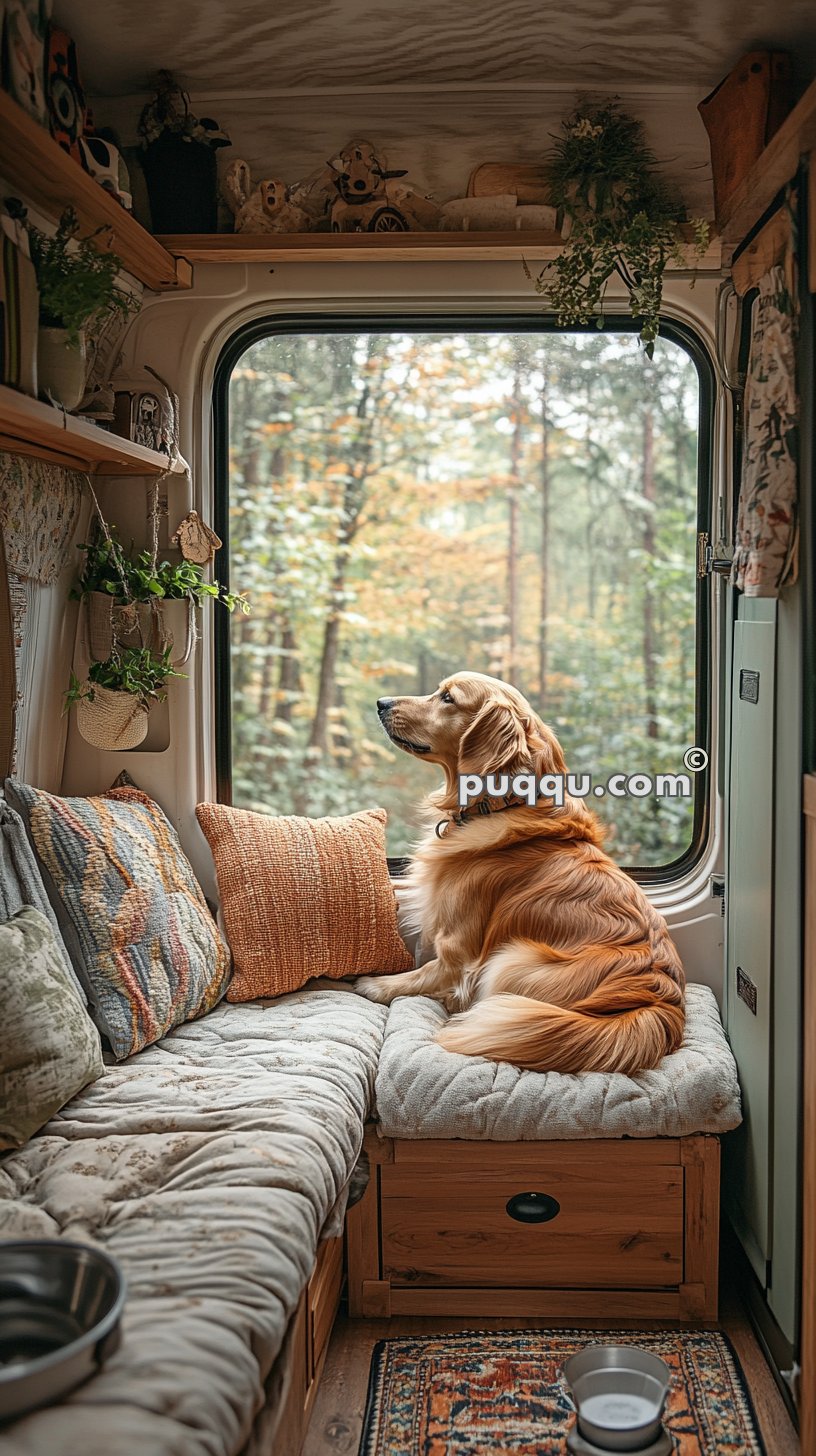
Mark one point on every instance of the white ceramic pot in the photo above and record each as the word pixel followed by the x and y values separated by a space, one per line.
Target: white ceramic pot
pixel 61 366
pixel 112 720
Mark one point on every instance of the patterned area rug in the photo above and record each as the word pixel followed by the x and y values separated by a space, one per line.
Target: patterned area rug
pixel 503 1392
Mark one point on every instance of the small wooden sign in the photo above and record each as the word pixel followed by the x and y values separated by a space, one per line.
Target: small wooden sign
pixel 196 541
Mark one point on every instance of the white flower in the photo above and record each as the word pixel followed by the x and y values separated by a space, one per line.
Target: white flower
pixel 584 129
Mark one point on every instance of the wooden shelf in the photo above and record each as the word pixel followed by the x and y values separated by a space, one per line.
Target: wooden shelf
pixel 29 427
pixel 45 176
pixel 776 166
pixel 535 247
pixel 353 247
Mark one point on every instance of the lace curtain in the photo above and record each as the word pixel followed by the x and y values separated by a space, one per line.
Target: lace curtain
pixel 41 507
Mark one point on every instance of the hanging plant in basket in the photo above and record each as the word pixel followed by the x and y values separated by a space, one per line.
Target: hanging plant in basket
pixel 622 217
pixel 123 592
pixel 113 705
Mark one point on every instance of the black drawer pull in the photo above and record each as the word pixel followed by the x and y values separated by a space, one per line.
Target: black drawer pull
pixel 533 1207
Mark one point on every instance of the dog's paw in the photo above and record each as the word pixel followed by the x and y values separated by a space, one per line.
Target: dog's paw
pixel 373 989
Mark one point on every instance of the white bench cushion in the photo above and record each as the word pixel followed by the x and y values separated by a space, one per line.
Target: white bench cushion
pixel 423 1091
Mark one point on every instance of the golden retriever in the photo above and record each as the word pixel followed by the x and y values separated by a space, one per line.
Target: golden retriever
pixel 549 955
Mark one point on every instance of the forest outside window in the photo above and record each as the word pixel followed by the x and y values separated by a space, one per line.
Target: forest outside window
pixel 406 502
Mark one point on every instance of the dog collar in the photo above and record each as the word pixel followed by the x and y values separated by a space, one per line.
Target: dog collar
pixel 479 811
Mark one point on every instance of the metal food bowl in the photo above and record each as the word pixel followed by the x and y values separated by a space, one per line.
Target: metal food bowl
pixel 620 1393
pixel 60 1308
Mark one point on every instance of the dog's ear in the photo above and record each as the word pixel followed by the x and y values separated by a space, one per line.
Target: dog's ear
pixel 544 749
pixel 495 742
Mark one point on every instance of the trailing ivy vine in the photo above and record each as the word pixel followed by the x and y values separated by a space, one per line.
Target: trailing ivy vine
pixel 622 217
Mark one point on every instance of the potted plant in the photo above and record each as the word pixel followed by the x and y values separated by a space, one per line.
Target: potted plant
pixel 78 290
pixel 620 217
pixel 122 592
pixel 114 703
pixel 178 160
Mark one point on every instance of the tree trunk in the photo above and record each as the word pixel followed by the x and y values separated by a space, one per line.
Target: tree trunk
pixel 544 587
pixel 513 492
pixel 354 495
pixel 319 737
pixel 648 482
pixel 290 682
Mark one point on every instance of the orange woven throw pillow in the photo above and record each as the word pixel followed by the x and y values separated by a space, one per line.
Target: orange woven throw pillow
pixel 303 897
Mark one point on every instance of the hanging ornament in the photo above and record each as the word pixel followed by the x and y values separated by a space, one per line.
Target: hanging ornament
pixel 195 540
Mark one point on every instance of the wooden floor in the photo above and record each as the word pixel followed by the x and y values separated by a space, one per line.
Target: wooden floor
pixel 338 1413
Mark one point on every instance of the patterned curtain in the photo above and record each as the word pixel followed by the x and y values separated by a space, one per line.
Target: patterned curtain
pixel 40 507
pixel 765 557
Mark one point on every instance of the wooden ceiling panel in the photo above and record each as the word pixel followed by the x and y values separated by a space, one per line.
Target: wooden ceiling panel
pixel 250 46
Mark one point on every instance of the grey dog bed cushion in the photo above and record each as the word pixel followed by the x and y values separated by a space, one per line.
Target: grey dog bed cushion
pixel 423 1091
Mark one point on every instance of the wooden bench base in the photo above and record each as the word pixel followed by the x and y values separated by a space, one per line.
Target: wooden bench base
pixel 307 1346
pixel 618 1229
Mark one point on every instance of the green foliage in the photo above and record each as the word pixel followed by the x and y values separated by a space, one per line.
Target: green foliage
pixel 623 218
pixel 77 283
pixel 370 494
pixel 107 568
pixel 134 670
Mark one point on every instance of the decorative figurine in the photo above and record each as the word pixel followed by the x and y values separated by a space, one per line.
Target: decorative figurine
pixel 369 197
pixel 144 412
pixel 67 112
pixel 23 55
pixel 264 208
pixel 103 160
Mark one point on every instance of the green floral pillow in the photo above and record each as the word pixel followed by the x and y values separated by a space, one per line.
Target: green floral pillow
pixel 49 1048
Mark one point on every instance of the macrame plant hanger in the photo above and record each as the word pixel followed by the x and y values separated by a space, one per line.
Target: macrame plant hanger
pixel 124 620
pixel 155 517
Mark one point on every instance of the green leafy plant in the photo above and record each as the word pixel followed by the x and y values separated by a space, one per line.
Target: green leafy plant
pixel 134 578
pixel 77 283
pixel 134 670
pixel 624 219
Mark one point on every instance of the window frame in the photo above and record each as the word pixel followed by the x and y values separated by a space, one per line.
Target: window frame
pixel 442 322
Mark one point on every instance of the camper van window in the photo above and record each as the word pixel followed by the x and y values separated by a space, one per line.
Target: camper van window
pixel 402 499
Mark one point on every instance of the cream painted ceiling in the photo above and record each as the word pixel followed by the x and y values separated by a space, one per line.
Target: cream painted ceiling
pixel 441 85
pixel 241 45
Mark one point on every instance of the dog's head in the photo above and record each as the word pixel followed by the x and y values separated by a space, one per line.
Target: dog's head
pixel 473 724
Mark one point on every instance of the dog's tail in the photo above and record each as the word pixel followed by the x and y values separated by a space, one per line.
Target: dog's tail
pixel 628 1023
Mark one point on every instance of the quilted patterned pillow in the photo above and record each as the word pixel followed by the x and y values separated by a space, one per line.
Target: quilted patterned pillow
pixel 142 941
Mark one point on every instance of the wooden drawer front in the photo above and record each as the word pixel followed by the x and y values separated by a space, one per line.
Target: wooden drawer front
pixel 619 1224
pixel 323 1297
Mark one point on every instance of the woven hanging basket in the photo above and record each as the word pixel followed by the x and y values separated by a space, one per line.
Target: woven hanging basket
pixel 112 720
pixel 134 626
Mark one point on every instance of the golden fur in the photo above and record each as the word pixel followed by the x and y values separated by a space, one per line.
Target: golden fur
pixel 549 955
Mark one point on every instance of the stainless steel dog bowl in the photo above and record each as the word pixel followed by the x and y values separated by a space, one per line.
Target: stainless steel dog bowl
pixel 60 1308
pixel 620 1393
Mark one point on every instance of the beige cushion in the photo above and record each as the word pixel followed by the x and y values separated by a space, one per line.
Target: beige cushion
pixel 49 1048
pixel 303 897
pixel 424 1091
